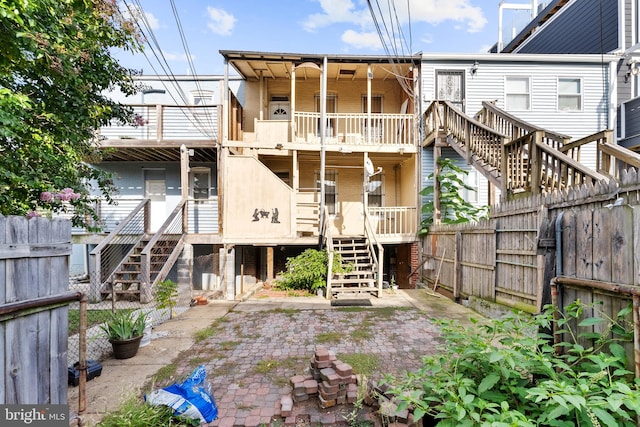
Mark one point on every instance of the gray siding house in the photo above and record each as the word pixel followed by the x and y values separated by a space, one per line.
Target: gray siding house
pixel 593 27
pixel 567 94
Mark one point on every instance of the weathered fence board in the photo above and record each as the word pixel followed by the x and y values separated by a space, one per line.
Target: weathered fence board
pixel 33 357
pixel 598 242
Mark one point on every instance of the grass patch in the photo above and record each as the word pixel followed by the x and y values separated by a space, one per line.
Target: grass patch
pixel 165 375
pixel 197 361
pixel 228 345
pixel 207 332
pixel 328 337
pixel 353 309
pixel 265 366
pixel 94 317
pixel 134 412
pixel 361 334
pixel 362 363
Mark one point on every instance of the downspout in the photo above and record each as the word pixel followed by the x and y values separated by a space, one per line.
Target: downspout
pixel 559 257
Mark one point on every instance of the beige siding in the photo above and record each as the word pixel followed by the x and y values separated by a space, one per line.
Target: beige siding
pixel 251 186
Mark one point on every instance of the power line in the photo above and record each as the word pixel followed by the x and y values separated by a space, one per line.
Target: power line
pixel 138 16
pixel 185 45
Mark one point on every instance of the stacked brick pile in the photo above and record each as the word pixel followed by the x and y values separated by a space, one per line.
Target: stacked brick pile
pixel 333 383
pixel 329 379
pixel 386 406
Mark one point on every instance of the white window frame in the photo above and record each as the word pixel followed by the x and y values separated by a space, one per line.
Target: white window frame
pixel 201 119
pixel 579 95
pixel 378 192
pixel 507 93
pixel 331 208
pixel 199 170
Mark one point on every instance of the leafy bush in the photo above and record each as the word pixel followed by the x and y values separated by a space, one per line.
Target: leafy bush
pixel 454 209
pixel 507 373
pixel 308 271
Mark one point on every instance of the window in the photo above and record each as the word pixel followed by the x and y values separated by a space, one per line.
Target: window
pixel 201 182
pixel 569 94
pixel 376 104
pixel 375 191
pixel 518 93
pixel 330 189
pixel 471 180
pixel 201 115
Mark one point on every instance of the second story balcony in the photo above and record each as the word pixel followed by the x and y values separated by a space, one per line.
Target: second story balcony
pixel 365 102
pixel 165 124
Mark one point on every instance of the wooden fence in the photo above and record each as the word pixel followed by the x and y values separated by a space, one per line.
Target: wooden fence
pixel 587 239
pixel 34 282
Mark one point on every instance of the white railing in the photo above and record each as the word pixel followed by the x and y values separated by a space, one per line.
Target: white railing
pixel 202 216
pixel 393 220
pixel 343 128
pixel 162 122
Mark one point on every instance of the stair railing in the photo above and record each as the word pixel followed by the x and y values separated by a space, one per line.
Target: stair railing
pixel 170 235
pixel 105 258
pixel 326 232
pixel 513 128
pixel 373 244
pixel 531 165
pixel 611 158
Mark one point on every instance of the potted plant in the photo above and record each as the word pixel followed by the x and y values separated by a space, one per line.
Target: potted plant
pixel 124 331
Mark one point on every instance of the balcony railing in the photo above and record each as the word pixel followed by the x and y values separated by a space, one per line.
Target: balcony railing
pixel 167 122
pixel 202 215
pixel 341 128
pixel 393 220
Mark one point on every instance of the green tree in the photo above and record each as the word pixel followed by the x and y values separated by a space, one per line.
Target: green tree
pixel 55 67
pixel 454 209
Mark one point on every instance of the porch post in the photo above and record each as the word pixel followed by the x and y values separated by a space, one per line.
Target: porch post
pixel 184 183
pixel 369 77
pixel 292 104
pixel 323 127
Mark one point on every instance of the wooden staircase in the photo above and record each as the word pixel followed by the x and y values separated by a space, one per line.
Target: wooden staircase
pixel 361 278
pixel 127 281
pixel 517 157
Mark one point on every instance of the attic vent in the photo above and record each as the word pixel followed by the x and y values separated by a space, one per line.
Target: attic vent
pixel 347 72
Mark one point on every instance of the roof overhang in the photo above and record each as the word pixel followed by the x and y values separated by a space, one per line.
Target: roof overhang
pixel 254 65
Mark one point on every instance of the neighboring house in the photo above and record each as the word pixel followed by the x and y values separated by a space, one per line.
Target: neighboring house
pixel 566 94
pixel 347 121
pixel 222 179
pixel 145 158
pixel 593 27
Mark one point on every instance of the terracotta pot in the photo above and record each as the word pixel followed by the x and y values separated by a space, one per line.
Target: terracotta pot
pixel 125 349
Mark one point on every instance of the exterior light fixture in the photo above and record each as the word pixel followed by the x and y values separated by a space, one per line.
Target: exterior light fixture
pixel 474 68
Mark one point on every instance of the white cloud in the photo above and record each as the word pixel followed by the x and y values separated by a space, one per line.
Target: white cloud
pixel 178 57
pixel 220 21
pixel 438 11
pixel 462 12
pixel 363 40
pixel 337 11
pixel 154 24
pixel 426 38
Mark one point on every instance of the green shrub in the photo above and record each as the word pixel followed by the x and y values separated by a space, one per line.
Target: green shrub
pixel 454 209
pixel 308 271
pixel 507 373
pixel 167 295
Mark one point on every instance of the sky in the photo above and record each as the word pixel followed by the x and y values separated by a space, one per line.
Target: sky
pixel 310 26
